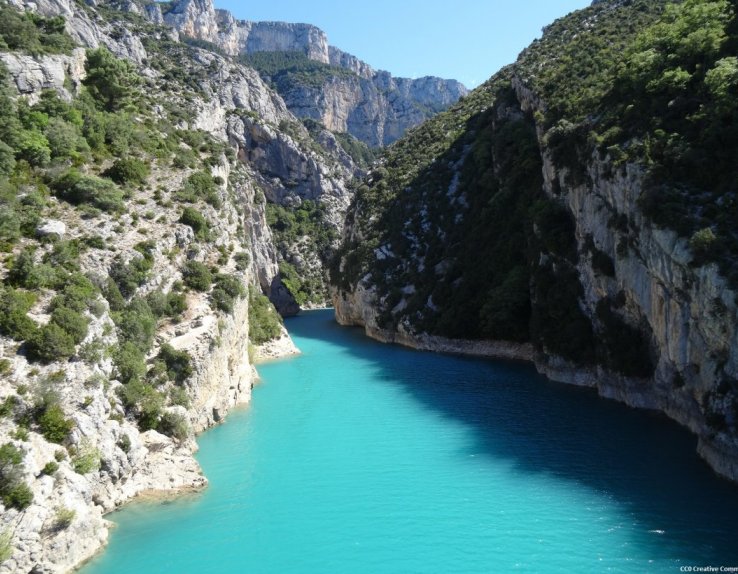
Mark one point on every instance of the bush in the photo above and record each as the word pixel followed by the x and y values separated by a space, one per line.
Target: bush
pixel 166 305
pixel 129 362
pixel 242 260
pixel 110 80
pixel 13 491
pixel 196 221
pixel 50 468
pixel 14 321
pixel 53 424
pixel 128 171
pixel 74 323
pixel 77 188
pixel 227 290
pixel 178 363
pixel 63 518
pixel 86 460
pixel 33 147
pixel 200 185
pixel 197 276
pixel 136 324
pixel 145 402
pixel 174 425
pixel 265 323
pixel 50 343
pixel 129 276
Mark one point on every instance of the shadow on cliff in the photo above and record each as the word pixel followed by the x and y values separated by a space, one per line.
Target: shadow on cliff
pixel 644 462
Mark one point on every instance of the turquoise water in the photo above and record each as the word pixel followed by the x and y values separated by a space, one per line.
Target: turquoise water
pixel 359 457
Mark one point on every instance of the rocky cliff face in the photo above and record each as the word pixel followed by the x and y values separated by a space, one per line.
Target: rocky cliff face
pixel 370 105
pixel 507 231
pixel 235 136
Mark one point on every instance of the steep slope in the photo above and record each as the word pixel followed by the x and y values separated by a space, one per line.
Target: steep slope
pixel 134 229
pixel 567 212
pixel 339 90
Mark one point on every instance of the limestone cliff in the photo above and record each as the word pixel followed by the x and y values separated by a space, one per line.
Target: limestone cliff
pixel 141 228
pixel 370 105
pixel 522 226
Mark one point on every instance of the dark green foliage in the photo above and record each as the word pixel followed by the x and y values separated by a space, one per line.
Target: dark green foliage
pixel 200 185
pixel 174 425
pixel 242 259
pixel 32 33
pixel 362 154
pixel 197 276
pixel 227 289
pixel 129 362
pixel 14 321
pixel 137 324
pixel 128 171
pixel 13 491
pixel 72 322
pixel 54 425
pixel 196 221
pixel 145 402
pixel 166 305
pixel 306 223
pixel 129 276
pixel 178 363
pixel 265 323
pixel 78 188
pixel 50 468
pixel 50 343
pixel 110 80
pixel 624 348
pixel 289 70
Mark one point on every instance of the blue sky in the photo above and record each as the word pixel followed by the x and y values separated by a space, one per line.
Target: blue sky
pixel 468 40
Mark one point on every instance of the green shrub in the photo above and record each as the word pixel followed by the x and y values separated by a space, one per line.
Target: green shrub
pixel 110 80
pixel 128 171
pixel 129 362
pixel 197 276
pixel 178 363
pixel 200 185
pixel 166 305
pixel 30 32
pixel 174 425
pixel 137 324
pixel 242 259
pixel 78 188
pixel 144 402
pixel 63 518
pixel 13 491
pixel 33 147
pixel 265 323
pixel 14 321
pixel 129 276
pixel 53 424
pixel 50 468
pixel 196 221
pixel 86 460
pixel 65 139
pixel 228 288
pixel 74 323
pixel 50 343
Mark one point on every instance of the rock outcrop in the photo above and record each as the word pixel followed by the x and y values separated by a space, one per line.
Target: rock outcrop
pixel 265 153
pixel 370 105
pixel 609 298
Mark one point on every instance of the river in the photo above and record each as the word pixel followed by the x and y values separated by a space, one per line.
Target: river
pixel 358 457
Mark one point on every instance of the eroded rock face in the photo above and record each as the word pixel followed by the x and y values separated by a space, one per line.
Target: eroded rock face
pixel 32 75
pixel 370 105
pixel 685 312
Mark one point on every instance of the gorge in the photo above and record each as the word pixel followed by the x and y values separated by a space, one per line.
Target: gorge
pixel 173 179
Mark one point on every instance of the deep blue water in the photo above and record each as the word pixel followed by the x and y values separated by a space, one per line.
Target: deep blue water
pixel 358 457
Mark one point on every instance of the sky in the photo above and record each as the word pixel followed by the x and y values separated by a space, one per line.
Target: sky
pixel 467 40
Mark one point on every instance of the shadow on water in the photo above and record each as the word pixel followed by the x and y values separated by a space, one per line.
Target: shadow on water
pixel 643 461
